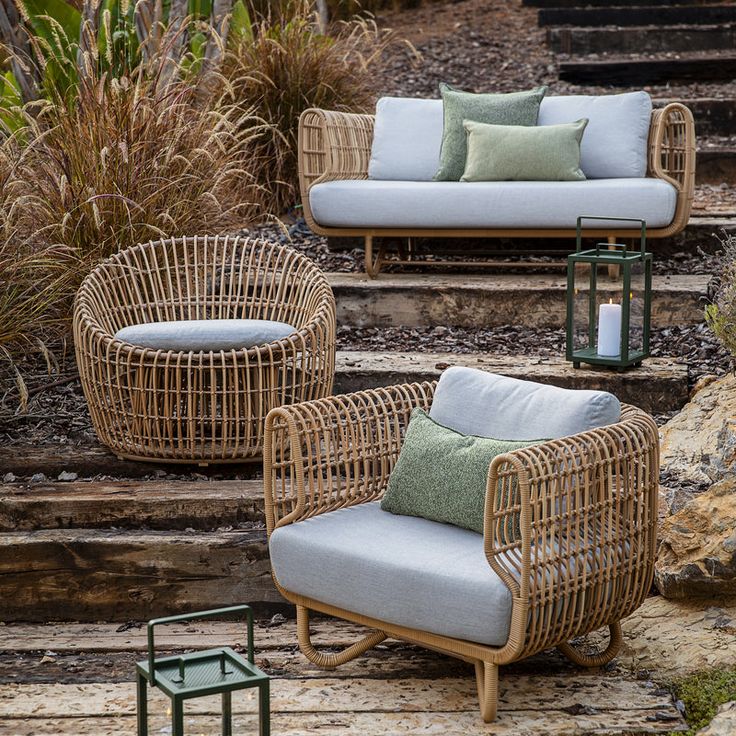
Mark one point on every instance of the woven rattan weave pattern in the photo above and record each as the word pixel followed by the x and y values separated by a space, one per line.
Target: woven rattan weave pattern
pixel 337 145
pixel 570 524
pixel 204 407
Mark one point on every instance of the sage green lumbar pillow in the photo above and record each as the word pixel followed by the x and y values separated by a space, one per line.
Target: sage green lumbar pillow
pixel 519 153
pixel 441 475
pixel 514 108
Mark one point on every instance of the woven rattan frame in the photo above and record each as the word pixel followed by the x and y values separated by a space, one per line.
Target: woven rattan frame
pixel 570 524
pixel 337 145
pixel 204 407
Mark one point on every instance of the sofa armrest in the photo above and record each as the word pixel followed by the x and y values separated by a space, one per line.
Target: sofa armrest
pixel 570 526
pixel 336 452
pixel 333 145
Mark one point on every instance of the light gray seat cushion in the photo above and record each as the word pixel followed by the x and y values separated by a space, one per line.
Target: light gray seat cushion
pixel 489 204
pixel 408 134
pixel 476 402
pixel 399 569
pixel 205 334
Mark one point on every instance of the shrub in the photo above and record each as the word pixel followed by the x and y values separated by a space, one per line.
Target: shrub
pixel 703 693
pixel 285 67
pixel 721 314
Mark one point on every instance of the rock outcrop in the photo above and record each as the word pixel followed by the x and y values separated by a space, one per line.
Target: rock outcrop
pixel 724 723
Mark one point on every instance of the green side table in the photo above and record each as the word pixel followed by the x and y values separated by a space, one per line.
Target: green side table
pixel 202 673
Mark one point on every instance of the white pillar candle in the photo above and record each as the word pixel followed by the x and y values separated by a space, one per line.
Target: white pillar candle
pixel 609 330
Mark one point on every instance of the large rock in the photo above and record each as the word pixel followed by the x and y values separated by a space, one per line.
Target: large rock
pixel 699 443
pixel 724 723
pixel 672 639
pixel 697 553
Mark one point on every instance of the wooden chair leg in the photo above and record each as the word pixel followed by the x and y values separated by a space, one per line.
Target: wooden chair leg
pixel 330 661
pixel 595 660
pixel 372 265
pixel 486 675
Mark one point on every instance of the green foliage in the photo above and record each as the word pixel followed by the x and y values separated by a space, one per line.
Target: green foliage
pixel 703 693
pixel 721 314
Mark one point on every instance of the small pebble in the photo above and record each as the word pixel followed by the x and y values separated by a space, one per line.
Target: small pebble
pixel 66 475
pixel 38 478
pixel 9 478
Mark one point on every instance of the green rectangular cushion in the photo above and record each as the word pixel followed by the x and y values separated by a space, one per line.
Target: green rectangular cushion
pixel 441 475
pixel 522 153
pixel 515 108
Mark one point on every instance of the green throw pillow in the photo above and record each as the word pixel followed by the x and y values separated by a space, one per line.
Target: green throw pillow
pixel 520 153
pixel 515 108
pixel 441 475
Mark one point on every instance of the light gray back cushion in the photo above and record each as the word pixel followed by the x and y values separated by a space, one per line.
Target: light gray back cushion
pixel 406 140
pixel 205 334
pixel 615 141
pixel 475 402
pixel 408 135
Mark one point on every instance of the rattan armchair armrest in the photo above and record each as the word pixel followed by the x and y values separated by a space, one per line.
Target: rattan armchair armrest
pixel 336 452
pixel 570 526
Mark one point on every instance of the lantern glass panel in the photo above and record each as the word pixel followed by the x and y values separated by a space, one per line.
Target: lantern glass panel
pixel 638 306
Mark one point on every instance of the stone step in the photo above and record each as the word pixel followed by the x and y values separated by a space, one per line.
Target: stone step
pixel 641 72
pixel 659 385
pixel 716 165
pixel 642 39
pixel 626 15
pixel 114 575
pixel 713 116
pixel 491 300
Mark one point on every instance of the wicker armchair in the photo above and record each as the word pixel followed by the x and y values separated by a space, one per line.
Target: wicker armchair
pixel 570 524
pixel 204 407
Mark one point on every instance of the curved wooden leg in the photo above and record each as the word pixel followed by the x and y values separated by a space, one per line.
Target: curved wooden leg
pixel 330 661
pixel 595 660
pixel 486 675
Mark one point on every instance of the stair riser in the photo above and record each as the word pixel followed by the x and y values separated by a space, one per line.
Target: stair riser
pixel 648 71
pixel 712 116
pixel 464 302
pixel 104 576
pixel 637 16
pixel 582 41
pixel 716 167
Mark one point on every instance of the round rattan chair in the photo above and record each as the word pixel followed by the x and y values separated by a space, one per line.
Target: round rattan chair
pixel 206 406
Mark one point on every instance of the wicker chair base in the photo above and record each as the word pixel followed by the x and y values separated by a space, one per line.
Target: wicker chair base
pixel 486 659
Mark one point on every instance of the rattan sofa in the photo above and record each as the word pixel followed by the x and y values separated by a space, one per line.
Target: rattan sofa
pixel 569 528
pixel 335 147
pixel 204 406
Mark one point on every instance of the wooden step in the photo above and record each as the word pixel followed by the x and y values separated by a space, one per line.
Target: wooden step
pixel 645 39
pixel 159 504
pixel 713 116
pixel 660 385
pixel 651 15
pixel 716 165
pixel 641 72
pixel 113 575
pixel 491 300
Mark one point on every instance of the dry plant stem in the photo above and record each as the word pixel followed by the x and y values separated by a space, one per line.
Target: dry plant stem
pixel 569 526
pixel 13 37
pixel 88 30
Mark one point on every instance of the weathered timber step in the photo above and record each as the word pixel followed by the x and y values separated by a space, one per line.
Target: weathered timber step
pixel 713 116
pixel 492 300
pixel 640 72
pixel 335 706
pixel 660 385
pixel 651 15
pixel 92 460
pixel 643 39
pixel 112 575
pixel 164 505
pixel 715 165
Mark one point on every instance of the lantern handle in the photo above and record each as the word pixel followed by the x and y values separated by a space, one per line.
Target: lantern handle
pixel 215 613
pixel 579 229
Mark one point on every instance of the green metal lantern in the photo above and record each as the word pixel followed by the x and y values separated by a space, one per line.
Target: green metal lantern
pixel 608 317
